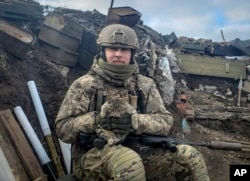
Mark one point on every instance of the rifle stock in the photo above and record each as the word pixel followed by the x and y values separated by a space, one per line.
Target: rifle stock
pixel 147 141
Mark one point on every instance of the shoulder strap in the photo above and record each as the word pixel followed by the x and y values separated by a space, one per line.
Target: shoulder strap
pixel 100 94
pixel 140 97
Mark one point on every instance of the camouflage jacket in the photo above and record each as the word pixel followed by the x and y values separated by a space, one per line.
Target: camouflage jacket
pixel 76 113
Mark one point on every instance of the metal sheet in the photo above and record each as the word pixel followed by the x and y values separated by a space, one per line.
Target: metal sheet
pixel 123 15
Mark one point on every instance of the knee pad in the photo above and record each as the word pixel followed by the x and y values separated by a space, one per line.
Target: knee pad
pixel 126 164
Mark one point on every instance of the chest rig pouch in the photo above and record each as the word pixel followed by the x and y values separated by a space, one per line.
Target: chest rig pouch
pixel 135 96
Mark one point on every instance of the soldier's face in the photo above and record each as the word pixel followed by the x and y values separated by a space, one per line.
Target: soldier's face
pixel 119 56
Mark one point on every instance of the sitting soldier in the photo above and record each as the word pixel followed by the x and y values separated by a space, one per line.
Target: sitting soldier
pixel 113 100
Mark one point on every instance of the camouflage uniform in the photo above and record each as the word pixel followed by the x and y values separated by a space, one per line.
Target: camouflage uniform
pixel 77 114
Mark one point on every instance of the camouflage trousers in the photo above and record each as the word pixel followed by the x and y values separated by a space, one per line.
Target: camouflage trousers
pixel 187 164
pixel 120 163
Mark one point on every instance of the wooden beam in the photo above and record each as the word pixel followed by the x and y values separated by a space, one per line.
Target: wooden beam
pixel 11 155
pixel 22 146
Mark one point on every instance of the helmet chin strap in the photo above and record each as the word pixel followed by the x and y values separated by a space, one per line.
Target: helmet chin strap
pixel 132 59
pixel 102 53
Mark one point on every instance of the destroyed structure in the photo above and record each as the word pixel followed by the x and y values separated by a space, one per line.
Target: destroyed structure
pixel 53 46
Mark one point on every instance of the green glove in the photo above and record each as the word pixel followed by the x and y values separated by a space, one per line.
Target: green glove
pixel 102 119
pixel 105 123
pixel 122 124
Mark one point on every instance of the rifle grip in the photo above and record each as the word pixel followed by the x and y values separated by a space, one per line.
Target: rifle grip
pixel 170 146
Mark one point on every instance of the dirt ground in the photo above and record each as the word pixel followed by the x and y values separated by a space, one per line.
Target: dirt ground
pixel 52 85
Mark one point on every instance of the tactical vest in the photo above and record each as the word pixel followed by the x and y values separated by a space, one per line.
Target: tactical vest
pixel 135 96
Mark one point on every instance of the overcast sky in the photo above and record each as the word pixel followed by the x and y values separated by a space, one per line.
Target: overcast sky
pixel 191 18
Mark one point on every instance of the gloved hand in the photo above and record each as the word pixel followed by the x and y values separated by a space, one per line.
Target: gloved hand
pixel 102 119
pixel 105 122
pixel 121 125
pixel 120 122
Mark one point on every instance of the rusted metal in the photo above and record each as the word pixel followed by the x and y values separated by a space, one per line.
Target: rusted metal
pixel 124 15
pixel 222 35
pixel 15 40
pixel 170 38
pixel 110 7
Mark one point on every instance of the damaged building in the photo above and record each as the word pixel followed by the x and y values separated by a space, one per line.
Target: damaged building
pixel 54 46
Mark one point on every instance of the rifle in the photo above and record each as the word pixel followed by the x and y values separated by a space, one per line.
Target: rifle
pixel 142 143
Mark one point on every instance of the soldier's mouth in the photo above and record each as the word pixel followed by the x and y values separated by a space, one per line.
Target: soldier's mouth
pixel 118 62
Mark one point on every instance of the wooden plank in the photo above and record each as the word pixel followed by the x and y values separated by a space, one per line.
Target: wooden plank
pixel 64 25
pixel 15 40
pixel 22 9
pixel 59 39
pixel 226 115
pixel 23 148
pixel 223 108
pixel 11 155
pixel 210 108
pixel 212 66
pixel 60 56
pixel 213 115
pixel 239 109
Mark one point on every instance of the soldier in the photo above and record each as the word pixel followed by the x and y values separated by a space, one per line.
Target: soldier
pixel 113 100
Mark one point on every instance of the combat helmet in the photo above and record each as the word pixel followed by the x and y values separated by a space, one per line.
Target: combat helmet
pixel 118 35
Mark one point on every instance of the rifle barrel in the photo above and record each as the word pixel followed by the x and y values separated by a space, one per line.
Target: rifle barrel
pixel 222 145
pixel 170 143
pixel 214 145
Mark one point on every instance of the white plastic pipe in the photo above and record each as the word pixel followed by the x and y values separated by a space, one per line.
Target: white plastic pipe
pixel 30 133
pixel 66 152
pixel 5 171
pixel 65 148
pixel 39 108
